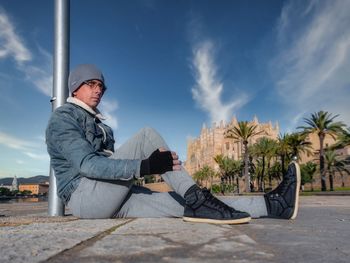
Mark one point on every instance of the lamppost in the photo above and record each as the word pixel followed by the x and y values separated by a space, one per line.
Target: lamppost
pixel 60 90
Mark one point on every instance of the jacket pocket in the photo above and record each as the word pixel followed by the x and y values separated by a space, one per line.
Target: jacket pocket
pixel 94 135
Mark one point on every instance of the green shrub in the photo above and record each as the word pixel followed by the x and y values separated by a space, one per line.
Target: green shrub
pixel 227 188
pixel 215 188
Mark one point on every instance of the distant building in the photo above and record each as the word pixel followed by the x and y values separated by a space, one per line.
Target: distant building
pixel 342 153
pixel 6 186
pixel 211 142
pixel 315 148
pixel 35 189
pixel 345 152
pixel 14 184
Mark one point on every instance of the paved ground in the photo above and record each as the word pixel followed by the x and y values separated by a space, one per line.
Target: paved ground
pixel 319 234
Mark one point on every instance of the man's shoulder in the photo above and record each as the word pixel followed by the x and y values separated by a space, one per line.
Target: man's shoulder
pixel 67 108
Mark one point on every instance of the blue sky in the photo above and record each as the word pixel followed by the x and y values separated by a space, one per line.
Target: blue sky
pixel 174 65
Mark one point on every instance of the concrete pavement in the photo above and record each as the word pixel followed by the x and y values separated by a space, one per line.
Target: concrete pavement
pixel 319 234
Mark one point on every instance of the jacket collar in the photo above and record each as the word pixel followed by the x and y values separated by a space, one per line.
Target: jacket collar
pixel 83 105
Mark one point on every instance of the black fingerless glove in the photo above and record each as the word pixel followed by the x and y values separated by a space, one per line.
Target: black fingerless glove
pixel 158 163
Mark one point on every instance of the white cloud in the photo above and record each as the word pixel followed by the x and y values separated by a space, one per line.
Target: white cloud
pixel 40 74
pixel 208 89
pixel 36 156
pixel 14 143
pixel 33 149
pixel 312 66
pixel 108 108
pixel 20 162
pixel 12 45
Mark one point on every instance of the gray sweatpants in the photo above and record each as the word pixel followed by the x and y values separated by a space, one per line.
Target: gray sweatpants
pixel 106 198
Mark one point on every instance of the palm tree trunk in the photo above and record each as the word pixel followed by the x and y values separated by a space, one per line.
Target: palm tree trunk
pixel 282 164
pixel 222 184
pixel 322 170
pixel 331 180
pixel 262 175
pixel 246 167
pixel 263 186
pixel 269 173
pixel 342 180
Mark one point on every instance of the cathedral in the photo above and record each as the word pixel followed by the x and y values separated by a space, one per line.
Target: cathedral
pixel 211 142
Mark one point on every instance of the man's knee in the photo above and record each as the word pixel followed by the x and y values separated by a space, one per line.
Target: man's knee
pixel 149 130
pixel 154 137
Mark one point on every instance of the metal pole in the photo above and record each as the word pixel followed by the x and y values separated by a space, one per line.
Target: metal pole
pixel 60 90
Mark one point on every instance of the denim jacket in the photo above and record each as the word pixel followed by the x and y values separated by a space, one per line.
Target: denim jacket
pixel 79 145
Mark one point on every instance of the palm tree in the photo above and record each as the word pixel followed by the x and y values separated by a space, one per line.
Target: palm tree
pixel 283 149
pixel 275 172
pixel 207 173
pixel 343 139
pixel 323 124
pixel 243 132
pixel 264 148
pixel 273 145
pixel 259 173
pixel 224 168
pixel 307 172
pixel 333 165
pixel 298 144
pixel 237 169
pixel 198 177
pixel 229 169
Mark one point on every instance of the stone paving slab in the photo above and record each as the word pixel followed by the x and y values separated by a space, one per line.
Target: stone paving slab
pixel 23 209
pixel 36 242
pixel 319 234
pixel 171 240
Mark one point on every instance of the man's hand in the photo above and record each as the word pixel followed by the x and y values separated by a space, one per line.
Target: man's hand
pixel 159 162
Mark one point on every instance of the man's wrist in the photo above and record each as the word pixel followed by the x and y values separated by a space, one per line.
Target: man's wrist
pixel 144 168
pixel 158 163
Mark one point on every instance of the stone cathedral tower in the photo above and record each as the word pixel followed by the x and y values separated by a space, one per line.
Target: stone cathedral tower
pixel 211 142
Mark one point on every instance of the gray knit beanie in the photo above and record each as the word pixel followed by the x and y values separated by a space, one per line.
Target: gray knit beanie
pixel 83 73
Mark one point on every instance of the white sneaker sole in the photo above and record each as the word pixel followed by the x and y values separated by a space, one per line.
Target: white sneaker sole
pixel 296 206
pixel 217 221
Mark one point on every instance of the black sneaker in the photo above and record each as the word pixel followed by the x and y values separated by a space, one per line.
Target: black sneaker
pixel 202 207
pixel 282 202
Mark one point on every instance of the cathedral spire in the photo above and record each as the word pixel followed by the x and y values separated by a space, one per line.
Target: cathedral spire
pixel 233 122
pixel 14 184
pixel 277 126
pixel 255 120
